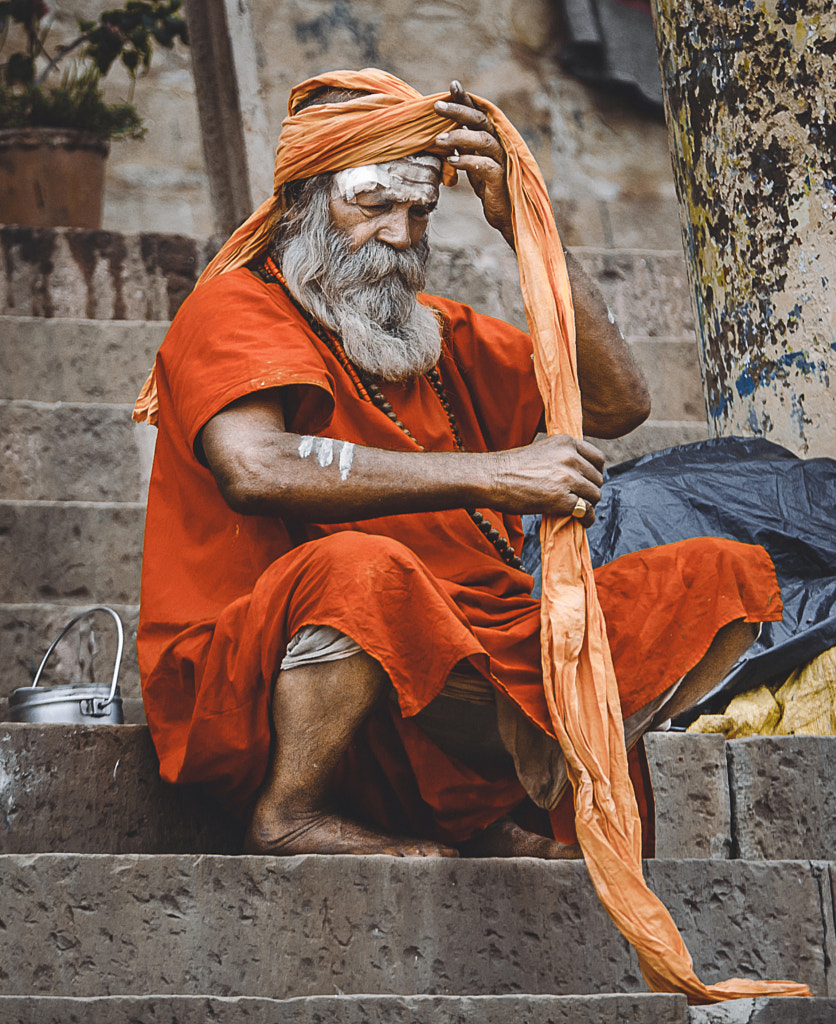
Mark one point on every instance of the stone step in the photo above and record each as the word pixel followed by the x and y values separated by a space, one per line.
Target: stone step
pixel 73 360
pixel 96 789
pixel 70 552
pixel 648 292
pixel 106 361
pixel 342 1009
pixel 73 452
pixel 766 1011
pixel 27 630
pixel 59 794
pixel 346 1009
pixel 101 275
pixel 761 797
pixel 86 925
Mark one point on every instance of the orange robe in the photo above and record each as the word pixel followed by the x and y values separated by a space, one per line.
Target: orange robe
pixel 223 593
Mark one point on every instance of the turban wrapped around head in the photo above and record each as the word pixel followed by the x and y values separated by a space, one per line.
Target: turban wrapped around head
pixel 392 120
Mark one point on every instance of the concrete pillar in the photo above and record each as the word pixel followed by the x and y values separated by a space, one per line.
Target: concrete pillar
pixel 236 147
pixel 749 91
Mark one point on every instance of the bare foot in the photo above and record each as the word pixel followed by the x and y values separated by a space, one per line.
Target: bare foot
pixel 324 832
pixel 505 838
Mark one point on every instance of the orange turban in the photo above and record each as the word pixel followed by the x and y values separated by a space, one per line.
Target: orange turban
pixel 392 121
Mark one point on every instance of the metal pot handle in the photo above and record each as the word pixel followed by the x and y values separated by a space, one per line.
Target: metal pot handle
pixel 120 635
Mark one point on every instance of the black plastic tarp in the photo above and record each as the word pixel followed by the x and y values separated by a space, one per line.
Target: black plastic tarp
pixel 744 489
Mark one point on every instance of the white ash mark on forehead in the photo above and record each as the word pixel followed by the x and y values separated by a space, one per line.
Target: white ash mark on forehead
pixel 410 179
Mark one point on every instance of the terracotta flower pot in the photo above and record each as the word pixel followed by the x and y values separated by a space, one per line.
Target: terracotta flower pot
pixel 52 177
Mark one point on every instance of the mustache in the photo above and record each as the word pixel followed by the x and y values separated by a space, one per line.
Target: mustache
pixel 376 262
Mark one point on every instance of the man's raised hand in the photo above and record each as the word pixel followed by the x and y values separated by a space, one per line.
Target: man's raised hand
pixel 475 149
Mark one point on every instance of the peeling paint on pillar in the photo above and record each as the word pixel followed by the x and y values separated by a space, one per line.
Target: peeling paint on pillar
pixel 751 108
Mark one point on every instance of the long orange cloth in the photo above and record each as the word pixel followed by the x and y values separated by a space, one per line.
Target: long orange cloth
pixel 581 691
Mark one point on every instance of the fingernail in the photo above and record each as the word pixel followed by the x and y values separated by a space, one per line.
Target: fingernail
pixel 442 104
pixel 454 159
pixel 444 135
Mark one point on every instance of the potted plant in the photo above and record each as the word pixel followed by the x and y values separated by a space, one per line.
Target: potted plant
pixel 55 125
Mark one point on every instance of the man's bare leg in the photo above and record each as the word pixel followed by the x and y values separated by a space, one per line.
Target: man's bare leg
pixel 731 642
pixel 507 839
pixel 316 711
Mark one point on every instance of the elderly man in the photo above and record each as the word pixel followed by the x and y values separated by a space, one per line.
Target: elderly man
pixel 337 635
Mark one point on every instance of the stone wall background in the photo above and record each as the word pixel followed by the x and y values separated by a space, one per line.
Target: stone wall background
pixel 606 163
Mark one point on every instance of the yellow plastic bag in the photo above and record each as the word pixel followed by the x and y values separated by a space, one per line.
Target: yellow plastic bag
pixel 803 705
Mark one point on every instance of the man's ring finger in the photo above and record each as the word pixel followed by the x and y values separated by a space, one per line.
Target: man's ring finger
pixel 581 508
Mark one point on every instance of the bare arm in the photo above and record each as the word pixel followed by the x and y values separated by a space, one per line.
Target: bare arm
pixel 263 470
pixel 614 394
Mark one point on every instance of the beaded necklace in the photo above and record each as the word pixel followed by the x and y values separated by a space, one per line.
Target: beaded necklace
pixel 369 391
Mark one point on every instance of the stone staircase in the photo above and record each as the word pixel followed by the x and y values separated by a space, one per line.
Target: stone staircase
pixel 122 899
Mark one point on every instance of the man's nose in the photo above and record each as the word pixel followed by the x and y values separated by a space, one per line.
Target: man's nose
pixel 395 230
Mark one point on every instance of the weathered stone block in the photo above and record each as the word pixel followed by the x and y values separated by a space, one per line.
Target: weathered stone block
pixel 783 796
pixel 648 292
pixel 672 368
pixel 71 360
pixel 339 1009
pixel 85 925
pixel 749 919
pixel 691 794
pixel 70 552
pixel 766 1011
pixel 67 452
pixel 96 789
pixel 97 275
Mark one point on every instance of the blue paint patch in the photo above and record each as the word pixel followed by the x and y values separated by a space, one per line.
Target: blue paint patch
pixel 794 316
pixel 746 383
pixel 751 379
pixel 797 416
pixel 754 426
pixel 800 361
pixel 718 409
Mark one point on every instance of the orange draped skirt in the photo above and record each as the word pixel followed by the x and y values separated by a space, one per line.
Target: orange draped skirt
pixel 663 607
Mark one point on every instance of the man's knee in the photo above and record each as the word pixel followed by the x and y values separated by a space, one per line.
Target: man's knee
pixel 365 555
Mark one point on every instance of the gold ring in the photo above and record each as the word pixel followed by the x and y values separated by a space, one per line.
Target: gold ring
pixel 580 509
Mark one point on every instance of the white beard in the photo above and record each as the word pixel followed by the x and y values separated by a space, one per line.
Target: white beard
pixel 366 296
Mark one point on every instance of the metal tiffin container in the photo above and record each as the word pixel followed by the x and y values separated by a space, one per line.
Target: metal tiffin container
pixel 76 703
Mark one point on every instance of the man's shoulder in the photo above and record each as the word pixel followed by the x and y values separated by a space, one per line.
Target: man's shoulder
pixel 238 305
pixel 236 289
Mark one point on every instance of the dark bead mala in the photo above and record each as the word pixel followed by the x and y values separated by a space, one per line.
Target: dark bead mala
pixel 368 390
